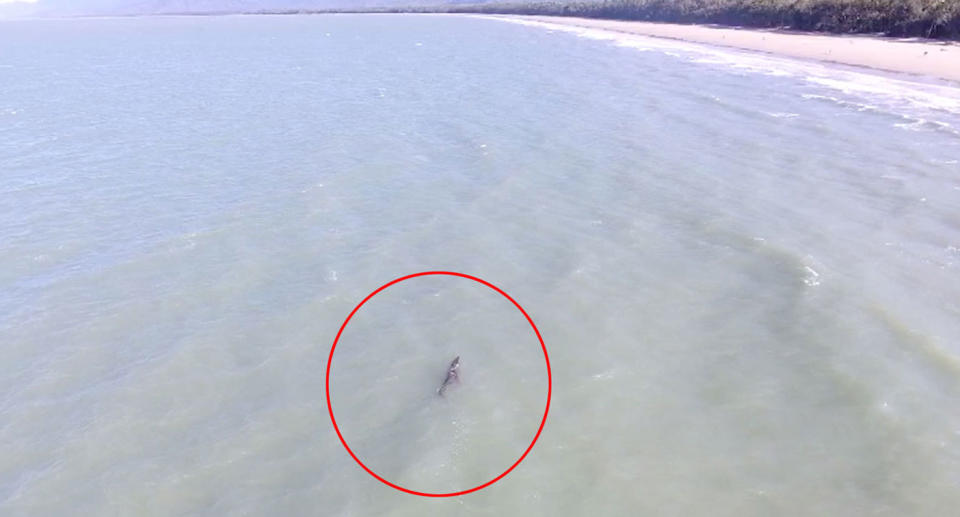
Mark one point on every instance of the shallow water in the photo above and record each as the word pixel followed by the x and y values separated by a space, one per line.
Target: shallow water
pixel 746 271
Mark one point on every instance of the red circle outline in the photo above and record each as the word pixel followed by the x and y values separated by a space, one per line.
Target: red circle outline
pixel 546 358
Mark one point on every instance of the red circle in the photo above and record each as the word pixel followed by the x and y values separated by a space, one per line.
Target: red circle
pixel 545 357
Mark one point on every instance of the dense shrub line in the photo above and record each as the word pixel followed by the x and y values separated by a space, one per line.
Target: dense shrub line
pixel 925 18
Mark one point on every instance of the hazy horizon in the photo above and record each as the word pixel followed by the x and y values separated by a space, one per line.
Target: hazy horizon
pixel 21 8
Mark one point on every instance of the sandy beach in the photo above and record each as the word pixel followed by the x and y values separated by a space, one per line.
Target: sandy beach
pixel 940 59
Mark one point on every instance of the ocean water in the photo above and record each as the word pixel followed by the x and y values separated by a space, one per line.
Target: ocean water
pixel 746 271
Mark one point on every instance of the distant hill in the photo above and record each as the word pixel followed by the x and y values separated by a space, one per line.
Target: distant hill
pixel 926 18
pixel 131 7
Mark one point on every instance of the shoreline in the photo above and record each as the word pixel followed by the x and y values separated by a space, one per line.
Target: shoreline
pixel 929 58
pixel 936 59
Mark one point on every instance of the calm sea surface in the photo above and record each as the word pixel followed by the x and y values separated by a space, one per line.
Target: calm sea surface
pixel 746 271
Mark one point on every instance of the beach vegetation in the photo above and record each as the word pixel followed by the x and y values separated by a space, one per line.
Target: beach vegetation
pixel 904 18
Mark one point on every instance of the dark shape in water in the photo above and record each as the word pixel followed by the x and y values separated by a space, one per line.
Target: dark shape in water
pixel 452 375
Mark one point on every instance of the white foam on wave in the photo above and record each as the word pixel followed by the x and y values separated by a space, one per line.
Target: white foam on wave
pixel 605 375
pixel 911 93
pixel 859 106
pixel 811 278
pixel 915 120
pixel 917 125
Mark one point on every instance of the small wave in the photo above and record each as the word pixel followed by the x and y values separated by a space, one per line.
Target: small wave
pixel 921 124
pixel 907 93
pixel 914 121
pixel 840 102
pixel 604 375
pixel 917 125
pixel 708 61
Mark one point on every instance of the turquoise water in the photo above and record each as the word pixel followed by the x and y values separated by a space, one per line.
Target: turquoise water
pixel 745 270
